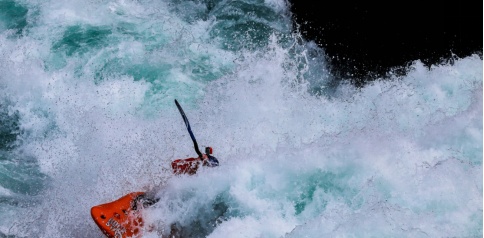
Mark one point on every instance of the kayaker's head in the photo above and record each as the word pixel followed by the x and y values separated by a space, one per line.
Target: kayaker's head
pixel 211 161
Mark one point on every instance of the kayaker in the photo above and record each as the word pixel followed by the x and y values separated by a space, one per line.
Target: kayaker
pixel 191 165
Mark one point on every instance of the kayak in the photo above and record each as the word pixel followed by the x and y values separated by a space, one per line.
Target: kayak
pixel 121 218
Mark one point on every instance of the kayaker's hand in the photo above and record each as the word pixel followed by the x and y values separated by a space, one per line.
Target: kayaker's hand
pixel 204 159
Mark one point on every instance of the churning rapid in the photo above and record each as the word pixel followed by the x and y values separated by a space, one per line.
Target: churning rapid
pixel 87 115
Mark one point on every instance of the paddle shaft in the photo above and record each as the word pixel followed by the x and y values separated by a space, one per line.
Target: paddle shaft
pixel 195 144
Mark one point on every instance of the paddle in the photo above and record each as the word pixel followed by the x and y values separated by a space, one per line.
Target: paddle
pixel 195 144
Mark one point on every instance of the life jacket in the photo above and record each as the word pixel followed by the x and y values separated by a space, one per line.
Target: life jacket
pixel 186 166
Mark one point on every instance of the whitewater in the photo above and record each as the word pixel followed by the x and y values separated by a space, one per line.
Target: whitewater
pixel 87 115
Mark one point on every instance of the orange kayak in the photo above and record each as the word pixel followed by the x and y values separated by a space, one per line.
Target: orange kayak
pixel 120 218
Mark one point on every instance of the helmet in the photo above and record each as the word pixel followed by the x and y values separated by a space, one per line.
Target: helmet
pixel 208 150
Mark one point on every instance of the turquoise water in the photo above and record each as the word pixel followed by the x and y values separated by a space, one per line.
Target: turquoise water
pixel 87 115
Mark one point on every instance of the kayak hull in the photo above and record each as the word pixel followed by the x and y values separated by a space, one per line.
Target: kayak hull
pixel 120 218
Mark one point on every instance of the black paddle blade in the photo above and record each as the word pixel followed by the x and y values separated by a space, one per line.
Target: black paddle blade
pixel 185 119
pixel 187 124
